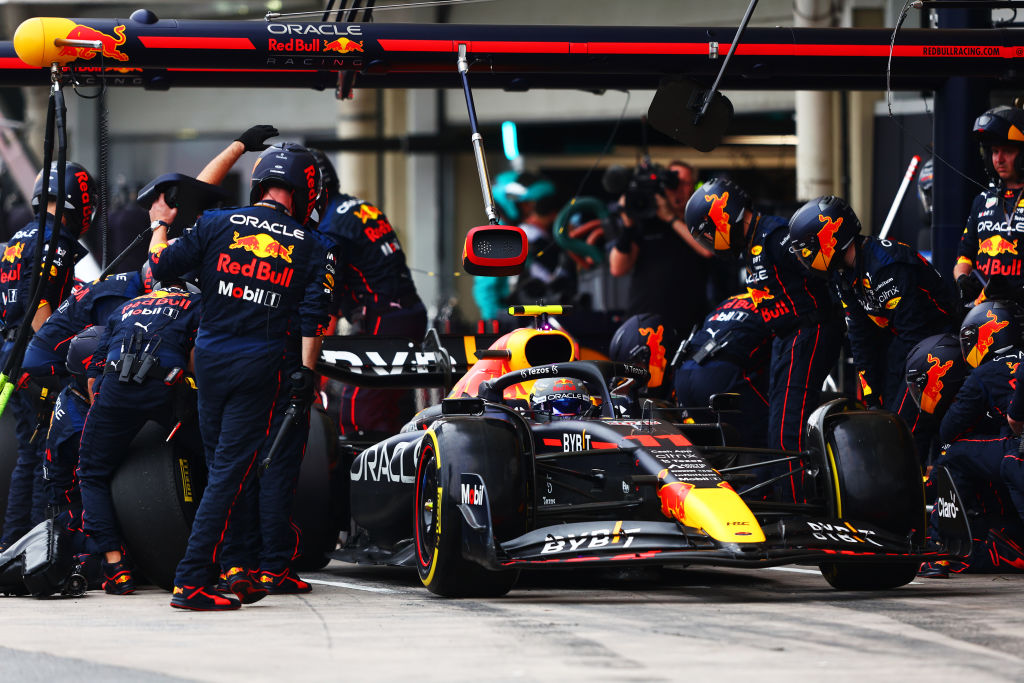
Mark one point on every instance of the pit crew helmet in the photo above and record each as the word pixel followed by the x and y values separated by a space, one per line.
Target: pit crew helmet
pixel 989 329
pixel 292 167
pixel 936 370
pixel 645 340
pixel 561 397
pixel 820 232
pixel 146 274
pixel 328 174
pixel 80 353
pixel 925 184
pixel 1003 125
pixel 715 215
pixel 512 188
pixel 80 198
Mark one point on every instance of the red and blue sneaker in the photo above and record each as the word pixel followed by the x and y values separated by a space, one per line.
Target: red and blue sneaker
pixel 117 579
pixel 284 583
pixel 243 584
pixel 202 599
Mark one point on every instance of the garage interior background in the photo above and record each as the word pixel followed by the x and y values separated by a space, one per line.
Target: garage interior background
pixel 783 146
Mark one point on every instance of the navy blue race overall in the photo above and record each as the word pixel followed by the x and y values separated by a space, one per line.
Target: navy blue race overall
pixel 161 324
pixel 375 291
pixel 26 500
pixel 267 283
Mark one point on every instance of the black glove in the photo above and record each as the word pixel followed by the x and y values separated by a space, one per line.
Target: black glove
pixel 970 288
pixel 303 385
pixel 255 138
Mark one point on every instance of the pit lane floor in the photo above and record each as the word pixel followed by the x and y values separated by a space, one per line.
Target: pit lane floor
pixel 371 623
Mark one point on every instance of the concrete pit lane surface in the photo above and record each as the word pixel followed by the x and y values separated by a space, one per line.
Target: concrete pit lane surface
pixel 373 623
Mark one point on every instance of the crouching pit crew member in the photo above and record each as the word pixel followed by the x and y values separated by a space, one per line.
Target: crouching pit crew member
pixel 145 350
pixel 268 285
pixel 891 295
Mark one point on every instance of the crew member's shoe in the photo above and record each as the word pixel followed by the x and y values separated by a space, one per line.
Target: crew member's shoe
pixel 202 599
pixel 117 579
pixel 242 583
pixel 1008 550
pixel 934 570
pixel 284 583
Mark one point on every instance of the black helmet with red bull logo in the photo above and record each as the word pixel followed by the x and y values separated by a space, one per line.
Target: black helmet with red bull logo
pixel 80 353
pixel 820 232
pixel 646 340
pixel 80 198
pixel 990 329
pixel 936 370
pixel 146 275
pixel 715 215
pixel 561 398
pixel 1003 125
pixel 293 168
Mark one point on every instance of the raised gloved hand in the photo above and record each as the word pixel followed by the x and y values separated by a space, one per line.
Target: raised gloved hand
pixel 970 288
pixel 254 139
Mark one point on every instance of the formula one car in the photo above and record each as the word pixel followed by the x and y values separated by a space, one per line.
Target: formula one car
pixel 475 489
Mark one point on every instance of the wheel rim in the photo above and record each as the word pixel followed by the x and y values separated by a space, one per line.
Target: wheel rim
pixel 426 506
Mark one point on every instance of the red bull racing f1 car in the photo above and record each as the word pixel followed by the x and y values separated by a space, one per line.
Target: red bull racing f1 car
pixel 480 487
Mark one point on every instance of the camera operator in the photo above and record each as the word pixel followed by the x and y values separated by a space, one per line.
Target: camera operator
pixel 655 246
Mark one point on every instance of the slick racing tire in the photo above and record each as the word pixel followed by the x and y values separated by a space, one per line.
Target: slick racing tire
pixel 8 459
pixel 875 478
pixel 313 509
pixel 491 449
pixel 156 491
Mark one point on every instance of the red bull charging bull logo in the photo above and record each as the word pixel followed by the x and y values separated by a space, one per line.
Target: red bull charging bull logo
pixel 367 213
pixel 720 218
pixel 759 295
pixel 344 46
pixel 827 241
pixel 110 43
pixel 996 246
pixel 986 337
pixel 13 252
pixel 932 393
pixel 657 365
pixel 262 245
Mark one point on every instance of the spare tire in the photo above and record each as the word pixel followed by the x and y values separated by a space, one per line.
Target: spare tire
pixel 8 458
pixel 156 492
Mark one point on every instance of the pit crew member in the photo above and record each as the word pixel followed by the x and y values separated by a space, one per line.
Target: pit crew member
pixel 146 349
pixel 797 308
pixel 891 296
pixel 376 294
pixel 989 243
pixel 26 501
pixel 268 283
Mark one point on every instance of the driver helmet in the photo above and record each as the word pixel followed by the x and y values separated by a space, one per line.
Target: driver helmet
pixel 935 372
pixel 715 215
pixel 561 397
pixel 820 232
pixel 1003 125
pixel 990 329
pixel 80 197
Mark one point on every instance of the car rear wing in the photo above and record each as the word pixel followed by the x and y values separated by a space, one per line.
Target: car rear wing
pixel 399 362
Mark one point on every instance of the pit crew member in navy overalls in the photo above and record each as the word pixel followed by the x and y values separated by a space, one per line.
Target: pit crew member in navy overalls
pixel 146 349
pixel 797 308
pixel 268 284
pixel 991 242
pixel 26 500
pixel 891 295
pixel 376 294
pixel 730 353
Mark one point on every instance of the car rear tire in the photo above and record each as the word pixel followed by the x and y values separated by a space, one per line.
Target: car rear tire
pixel 875 477
pixel 8 459
pixel 313 510
pixel 491 449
